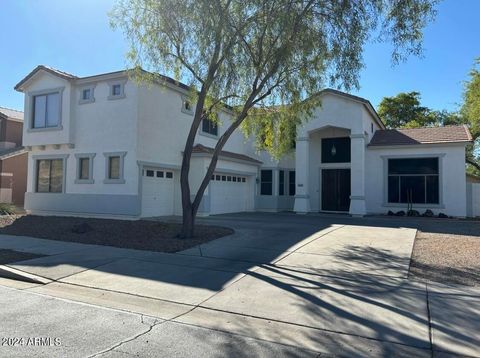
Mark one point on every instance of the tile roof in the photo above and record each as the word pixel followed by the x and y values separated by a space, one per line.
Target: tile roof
pixel 11 113
pixel 10 152
pixel 424 135
pixel 54 71
pixel 199 148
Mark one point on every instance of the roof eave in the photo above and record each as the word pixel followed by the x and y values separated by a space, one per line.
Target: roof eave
pixel 464 142
pixel 21 85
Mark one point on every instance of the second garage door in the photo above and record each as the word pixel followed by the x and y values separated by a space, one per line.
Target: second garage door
pixel 230 194
pixel 157 192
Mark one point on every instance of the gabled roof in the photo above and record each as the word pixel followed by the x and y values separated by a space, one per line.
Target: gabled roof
pixel 424 135
pixel 11 152
pixel 362 100
pixel 12 113
pixel 201 149
pixel 53 71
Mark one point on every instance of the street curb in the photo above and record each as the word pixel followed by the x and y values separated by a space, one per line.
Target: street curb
pixel 19 275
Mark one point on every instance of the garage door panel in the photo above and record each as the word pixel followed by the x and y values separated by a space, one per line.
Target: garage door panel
pixel 157 192
pixel 230 194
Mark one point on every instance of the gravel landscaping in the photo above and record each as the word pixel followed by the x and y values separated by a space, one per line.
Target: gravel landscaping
pixel 9 256
pixel 448 257
pixel 140 234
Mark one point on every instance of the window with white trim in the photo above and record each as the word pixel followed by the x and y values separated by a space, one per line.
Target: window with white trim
pixel 84 168
pixel 117 90
pixel 414 180
pixel 281 182
pixel 114 163
pixel 49 176
pixel 209 127
pixel 291 182
pixel 46 110
pixel 114 167
pixel 266 182
pixel 87 95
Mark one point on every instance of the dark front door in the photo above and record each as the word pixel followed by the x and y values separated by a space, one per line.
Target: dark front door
pixel 336 189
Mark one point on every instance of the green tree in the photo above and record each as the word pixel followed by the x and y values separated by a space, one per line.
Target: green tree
pixel 253 54
pixel 470 110
pixel 404 111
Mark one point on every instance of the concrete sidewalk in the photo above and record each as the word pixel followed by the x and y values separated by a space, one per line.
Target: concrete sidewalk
pixel 326 287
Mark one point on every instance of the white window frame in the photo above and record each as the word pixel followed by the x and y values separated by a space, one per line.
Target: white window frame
pixel 206 134
pixel 92 94
pixel 184 109
pixel 90 157
pixel 440 157
pixel 31 115
pixel 121 179
pixel 121 83
pixel 272 182
pixel 36 158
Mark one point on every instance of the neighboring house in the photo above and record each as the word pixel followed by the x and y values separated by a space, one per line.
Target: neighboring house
pixel 13 158
pixel 471 178
pixel 104 145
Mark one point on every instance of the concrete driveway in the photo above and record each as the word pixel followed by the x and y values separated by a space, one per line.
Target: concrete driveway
pixel 310 284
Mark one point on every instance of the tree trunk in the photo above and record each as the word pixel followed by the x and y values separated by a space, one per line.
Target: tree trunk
pixel 188 224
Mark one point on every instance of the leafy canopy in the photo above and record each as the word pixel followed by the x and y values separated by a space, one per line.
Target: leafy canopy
pixel 470 110
pixel 257 54
pixel 405 111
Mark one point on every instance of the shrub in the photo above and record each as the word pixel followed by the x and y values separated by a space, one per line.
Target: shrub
pixel 7 209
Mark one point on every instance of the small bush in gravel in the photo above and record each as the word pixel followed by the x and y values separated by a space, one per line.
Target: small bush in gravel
pixel 442 216
pixel 7 209
pixel 400 213
pixel 413 213
pixel 428 213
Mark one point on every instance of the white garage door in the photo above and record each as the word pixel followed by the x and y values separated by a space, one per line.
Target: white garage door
pixel 230 194
pixel 157 192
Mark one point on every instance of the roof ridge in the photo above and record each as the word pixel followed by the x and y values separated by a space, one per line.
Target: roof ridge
pixel 57 70
pixel 11 109
pixel 433 127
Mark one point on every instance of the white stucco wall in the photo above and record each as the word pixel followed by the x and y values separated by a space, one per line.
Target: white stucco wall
pixel 163 127
pixel 43 81
pixel 473 201
pixel 452 178
pixel 100 127
pixel 336 117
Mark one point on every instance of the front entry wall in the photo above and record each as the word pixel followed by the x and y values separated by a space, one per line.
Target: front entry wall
pixel 452 186
pixel 317 167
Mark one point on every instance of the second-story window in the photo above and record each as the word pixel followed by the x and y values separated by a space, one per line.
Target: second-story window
pixel 46 110
pixel 117 90
pixel 209 127
pixel 87 95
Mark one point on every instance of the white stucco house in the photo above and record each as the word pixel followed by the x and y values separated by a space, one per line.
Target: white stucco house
pixel 105 145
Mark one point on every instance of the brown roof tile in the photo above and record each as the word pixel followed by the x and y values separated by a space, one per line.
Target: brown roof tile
pixel 62 74
pixel 425 135
pixel 199 148
pixel 12 113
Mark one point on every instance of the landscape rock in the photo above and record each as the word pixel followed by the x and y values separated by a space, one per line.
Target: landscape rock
pixel 81 228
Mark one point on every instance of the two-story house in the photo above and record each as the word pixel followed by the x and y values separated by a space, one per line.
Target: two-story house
pixel 106 145
pixel 13 158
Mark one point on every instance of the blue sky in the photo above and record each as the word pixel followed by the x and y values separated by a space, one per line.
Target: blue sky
pixel 74 36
